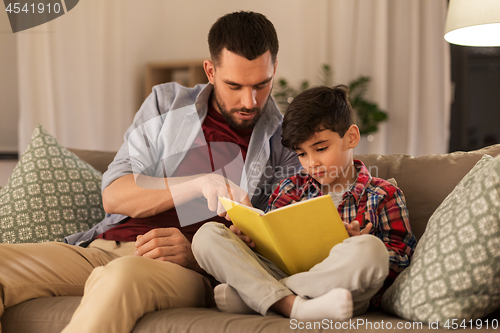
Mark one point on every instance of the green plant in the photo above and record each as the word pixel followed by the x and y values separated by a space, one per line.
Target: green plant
pixel 368 113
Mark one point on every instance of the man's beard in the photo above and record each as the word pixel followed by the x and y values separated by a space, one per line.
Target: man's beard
pixel 227 115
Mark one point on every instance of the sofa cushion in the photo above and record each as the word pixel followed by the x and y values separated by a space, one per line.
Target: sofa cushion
pixel 52 314
pixel 99 160
pixel 50 194
pixel 455 271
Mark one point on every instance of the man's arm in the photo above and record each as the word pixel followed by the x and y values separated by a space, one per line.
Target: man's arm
pixel 146 196
pixel 136 182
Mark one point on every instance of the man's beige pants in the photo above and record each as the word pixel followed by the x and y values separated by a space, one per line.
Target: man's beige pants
pixel 118 288
pixel 360 264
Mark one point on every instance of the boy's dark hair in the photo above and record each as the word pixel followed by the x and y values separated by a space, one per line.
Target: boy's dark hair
pixel 317 109
pixel 247 34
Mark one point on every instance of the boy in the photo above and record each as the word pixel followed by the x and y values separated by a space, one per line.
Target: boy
pixel 319 126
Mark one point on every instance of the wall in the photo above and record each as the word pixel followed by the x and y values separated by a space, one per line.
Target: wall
pixel 83 73
pixel 175 31
pixel 9 106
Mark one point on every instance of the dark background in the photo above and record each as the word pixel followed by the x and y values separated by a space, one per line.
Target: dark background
pixel 475 111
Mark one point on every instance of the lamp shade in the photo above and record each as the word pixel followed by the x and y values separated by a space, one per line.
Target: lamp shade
pixel 473 22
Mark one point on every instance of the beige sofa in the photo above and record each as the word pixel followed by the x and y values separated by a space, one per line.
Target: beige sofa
pixel 425 180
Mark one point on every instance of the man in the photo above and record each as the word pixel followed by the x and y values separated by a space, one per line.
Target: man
pixel 185 148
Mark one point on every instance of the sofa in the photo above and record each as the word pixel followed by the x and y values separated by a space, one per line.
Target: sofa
pixel 426 181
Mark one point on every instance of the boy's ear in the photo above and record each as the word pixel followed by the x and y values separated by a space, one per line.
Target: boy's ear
pixel 353 135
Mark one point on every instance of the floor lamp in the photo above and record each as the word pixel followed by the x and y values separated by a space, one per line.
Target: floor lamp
pixel 473 22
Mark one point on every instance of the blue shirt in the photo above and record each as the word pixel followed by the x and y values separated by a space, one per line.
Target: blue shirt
pixel 165 128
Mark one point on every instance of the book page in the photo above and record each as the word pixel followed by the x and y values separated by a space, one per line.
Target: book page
pixel 305 232
pixel 251 223
pixel 233 203
pixel 294 204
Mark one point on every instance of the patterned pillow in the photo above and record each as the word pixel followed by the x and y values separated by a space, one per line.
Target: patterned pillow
pixel 455 271
pixel 51 193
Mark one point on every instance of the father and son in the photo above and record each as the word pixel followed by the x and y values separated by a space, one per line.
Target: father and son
pixel 172 168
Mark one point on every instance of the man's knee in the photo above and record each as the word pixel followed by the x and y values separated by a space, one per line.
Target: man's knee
pixel 120 272
pixel 136 279
pixel 130 272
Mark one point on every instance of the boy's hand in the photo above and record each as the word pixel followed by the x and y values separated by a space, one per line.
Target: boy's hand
pixel 242 236
pixel 354 230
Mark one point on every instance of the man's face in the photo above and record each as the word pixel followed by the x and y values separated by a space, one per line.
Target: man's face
pixel 241 87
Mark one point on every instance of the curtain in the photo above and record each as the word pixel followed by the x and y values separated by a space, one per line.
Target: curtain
pixel 400 46
pixel 81 75
pixel 71 77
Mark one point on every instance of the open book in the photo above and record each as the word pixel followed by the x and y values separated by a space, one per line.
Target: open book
pixel 295 237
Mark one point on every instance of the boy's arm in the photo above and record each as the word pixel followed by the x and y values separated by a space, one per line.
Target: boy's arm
pixel 393 228
pixel 395 231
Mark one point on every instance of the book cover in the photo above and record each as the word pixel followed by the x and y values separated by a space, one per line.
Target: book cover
pixel 295 237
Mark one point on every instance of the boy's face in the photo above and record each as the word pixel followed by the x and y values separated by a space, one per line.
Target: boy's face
pixel 241 87
pixel 328 158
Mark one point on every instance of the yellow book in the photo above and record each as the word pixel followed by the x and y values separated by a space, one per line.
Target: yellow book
pixel 295 237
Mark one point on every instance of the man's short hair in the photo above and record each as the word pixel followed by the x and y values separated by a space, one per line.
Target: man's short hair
pixel 314 110
pixel 247 34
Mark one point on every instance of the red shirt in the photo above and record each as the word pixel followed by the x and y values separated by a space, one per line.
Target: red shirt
pixel 219 146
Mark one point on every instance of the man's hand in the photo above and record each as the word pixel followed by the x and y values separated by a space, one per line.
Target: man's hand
pixel 353 228
pixel 213 186
pixel 242 236
pixel 167 244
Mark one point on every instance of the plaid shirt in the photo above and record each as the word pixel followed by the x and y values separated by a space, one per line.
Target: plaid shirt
pixel 369 199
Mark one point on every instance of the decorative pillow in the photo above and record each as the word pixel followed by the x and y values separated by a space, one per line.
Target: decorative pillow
pixel 50 194
pixel 455 270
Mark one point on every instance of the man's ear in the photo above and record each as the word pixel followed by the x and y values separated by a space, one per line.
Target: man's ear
pixel 209 68
pixel 353 135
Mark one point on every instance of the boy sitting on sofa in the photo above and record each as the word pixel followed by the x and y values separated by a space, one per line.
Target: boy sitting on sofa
pixel 319 126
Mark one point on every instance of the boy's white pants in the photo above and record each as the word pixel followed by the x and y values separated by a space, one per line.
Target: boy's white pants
pixel 360 264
